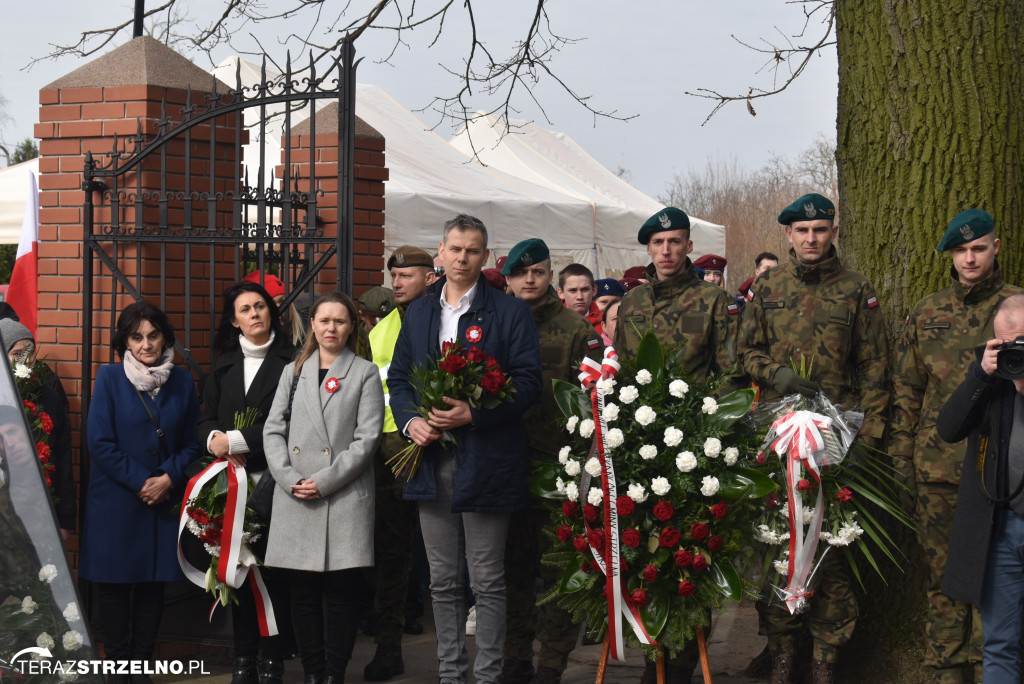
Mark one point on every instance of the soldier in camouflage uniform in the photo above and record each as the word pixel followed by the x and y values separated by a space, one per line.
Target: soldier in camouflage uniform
pixel 565 339
pixel 931 359
pixel 813 308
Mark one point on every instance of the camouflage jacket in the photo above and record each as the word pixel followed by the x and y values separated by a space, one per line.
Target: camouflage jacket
pixel 565 338
pixel 825 314
pixel 686 313
pixel 931 359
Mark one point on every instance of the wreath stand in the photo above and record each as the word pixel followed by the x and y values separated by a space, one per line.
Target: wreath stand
pixel 702 648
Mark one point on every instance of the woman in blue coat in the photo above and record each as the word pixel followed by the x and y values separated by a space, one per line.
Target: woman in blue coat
pixel 136 477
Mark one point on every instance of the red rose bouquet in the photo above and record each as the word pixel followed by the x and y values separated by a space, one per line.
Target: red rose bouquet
pixel 466 374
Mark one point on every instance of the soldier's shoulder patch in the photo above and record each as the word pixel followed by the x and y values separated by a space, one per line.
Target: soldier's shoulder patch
pixel 733 308
pixel 593 344
pixel 872 302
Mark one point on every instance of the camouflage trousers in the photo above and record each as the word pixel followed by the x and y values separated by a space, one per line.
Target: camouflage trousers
pixel 830 620
pixel 952 629
pixel 394 530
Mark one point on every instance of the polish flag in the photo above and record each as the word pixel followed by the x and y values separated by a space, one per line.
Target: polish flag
pixel 23 292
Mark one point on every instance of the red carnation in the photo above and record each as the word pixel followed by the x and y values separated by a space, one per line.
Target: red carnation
pixel 42 450
pixel 580 542
pixel 49 482
pixel 699 562
pixel 590 512
pixel 638 598
pixel 803 485
pixel 687 588
pixel 625 505
pixel 493 381
pixel 650 573
pixel 719 510
pixel 29 405
pixel 844 495
pixel 699 531
pixel 631 538
pixel 596 539
pixel 760 458
pixel 210 536
pixel 474 355
pixel 663 510
pixel 46 421
pixel 452 364
pixel 683 558
pixel 569 509
pixel 564 532
pixel 669 537
pixel 715 544
pixel 492 363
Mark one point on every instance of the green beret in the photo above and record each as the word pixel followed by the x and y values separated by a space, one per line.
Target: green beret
pixel 808 208
pixel 526 253
pixel 966 226
pixel 669 218
pixel 407 255
pixel 378 301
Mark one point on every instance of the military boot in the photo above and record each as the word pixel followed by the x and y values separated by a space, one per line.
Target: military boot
pixel 822 672
pixel 244 671
pixel 547 675
pixel 386 663
pixel 784 670
pixel 516 672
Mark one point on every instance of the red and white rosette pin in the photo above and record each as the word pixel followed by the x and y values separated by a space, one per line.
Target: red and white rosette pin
pixel 332 385
pixel 474 334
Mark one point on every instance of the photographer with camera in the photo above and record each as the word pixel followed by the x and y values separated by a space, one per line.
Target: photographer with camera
pixel 985 565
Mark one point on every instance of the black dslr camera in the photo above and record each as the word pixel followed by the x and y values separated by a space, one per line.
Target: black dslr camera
pixel 1010 361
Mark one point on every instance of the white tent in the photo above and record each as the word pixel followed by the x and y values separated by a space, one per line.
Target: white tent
pixel 14 189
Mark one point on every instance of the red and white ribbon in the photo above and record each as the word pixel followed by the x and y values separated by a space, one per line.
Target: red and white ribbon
pixel 236 561
pixel 608 558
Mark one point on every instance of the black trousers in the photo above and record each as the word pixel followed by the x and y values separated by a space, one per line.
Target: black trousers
pixel 130 618
pixel 325 616
pixel 245 623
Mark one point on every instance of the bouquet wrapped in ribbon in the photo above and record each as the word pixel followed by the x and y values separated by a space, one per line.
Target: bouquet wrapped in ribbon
pixel 30 378
pixel 832 497
pixel 655 499
pixel 465 374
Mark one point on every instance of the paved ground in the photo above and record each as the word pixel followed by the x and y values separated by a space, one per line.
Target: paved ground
pixel 733 644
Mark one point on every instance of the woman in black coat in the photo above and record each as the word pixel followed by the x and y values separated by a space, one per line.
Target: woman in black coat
pixel 251 351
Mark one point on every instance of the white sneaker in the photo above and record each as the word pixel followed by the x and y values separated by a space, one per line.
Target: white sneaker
pixel 471 622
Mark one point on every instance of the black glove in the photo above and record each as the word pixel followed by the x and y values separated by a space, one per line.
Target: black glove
pixel 788 382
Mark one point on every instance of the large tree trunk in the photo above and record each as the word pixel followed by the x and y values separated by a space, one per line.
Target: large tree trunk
pixel 930 122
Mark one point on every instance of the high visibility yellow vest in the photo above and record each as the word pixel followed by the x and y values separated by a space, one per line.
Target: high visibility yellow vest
pixel 383 338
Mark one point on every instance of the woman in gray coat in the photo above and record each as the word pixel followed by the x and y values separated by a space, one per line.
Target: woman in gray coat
pixel 319 439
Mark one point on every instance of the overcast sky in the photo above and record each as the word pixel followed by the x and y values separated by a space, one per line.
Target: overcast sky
pixel 636 62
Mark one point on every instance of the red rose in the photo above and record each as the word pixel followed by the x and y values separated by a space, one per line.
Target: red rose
pixel 683 558
pixel 623 565
pixel 596 539
pixel 663 510
pixel 448 346
pixel 687 588
pixel 638 598
pixel 844 495
pixel 699 562
pixel 699 531
pixel 580 542
pixel 760 458
pixel 625 505
pixel 631 538
pixel 46 421
pixel 452 364
pixel 669 537
pixel 650 573
pixel 569 509
pixel 772 501
pixel 474 355
pixel 492 363
pixel 719 510
pixel 590 512
pixel 493 381
pixel 803 485
pixel 564 532
pixel 714 544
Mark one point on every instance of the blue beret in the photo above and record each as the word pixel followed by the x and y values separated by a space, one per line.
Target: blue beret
pixel 669 218
pixel 526 253
pixel 966 226
pixel 609 286
pixel 808 208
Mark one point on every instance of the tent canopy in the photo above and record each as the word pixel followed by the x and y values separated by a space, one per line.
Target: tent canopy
pixel 14 189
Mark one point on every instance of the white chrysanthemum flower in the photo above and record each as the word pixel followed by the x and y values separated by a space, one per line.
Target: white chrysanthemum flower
pixel 763 533
pixel 586 428
pixel 712 447
pixel 709 485
pixel 660 486
pixel 572 492
pixel 572 467
pixel 72 641
pixel 648 452
pixel 645 415
pixel 637 493
pixel 563 454
pixel 593 467
pixel 606 386
pixel 28 606
pixel 731 455
pixel 22 371
pixel 686 461
pixel 570 424
pixel 781 566
pixel 678 389
pixel 848 533
pixel 48 573
pixel 71 612
pixel 68 675
pixel 808 515
pixel 628 394
pixel 614 438
pixel 595 496
pixel 560 485
pixel 44 640
pixel 610 412
pixel 673 436
pixel 643 377
pixel 710 406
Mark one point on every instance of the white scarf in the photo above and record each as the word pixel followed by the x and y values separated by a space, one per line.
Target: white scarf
pixel 148 378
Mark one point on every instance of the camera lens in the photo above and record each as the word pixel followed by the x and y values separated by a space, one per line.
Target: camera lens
pixel 1010 363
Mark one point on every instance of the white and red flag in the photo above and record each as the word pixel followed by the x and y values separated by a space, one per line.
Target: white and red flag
pixel 23 293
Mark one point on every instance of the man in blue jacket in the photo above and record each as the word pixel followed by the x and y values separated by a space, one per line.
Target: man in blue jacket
pixel 477 481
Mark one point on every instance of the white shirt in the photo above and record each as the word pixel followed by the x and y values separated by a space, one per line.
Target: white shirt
pixel 448 330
